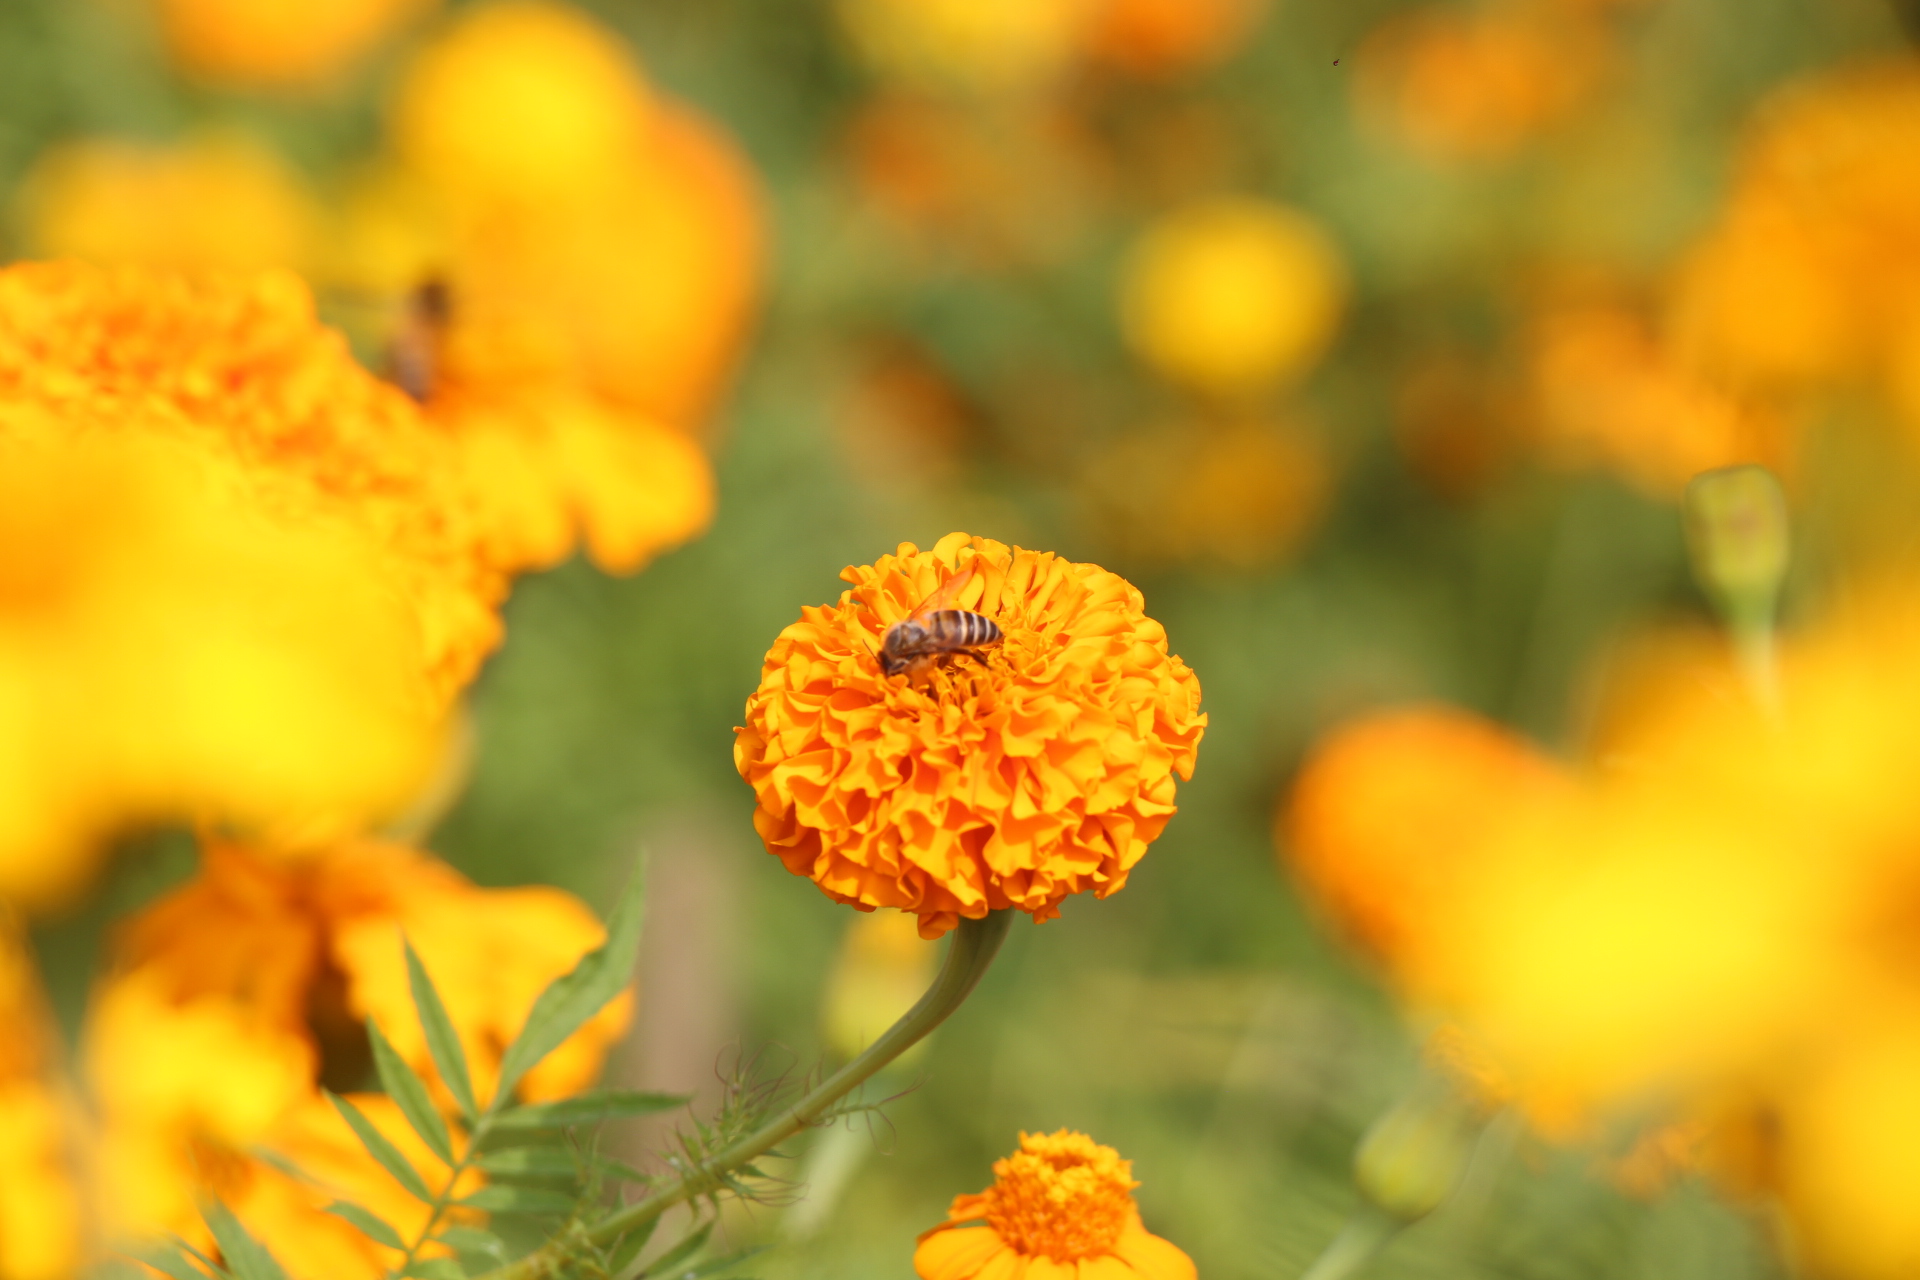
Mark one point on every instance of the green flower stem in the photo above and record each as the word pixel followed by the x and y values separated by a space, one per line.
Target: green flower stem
pixel 1358 1243
pixel 974 945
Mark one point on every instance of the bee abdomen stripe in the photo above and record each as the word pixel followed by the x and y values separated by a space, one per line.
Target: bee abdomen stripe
pixel 965 629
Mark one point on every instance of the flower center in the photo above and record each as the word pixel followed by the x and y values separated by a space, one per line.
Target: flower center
pixel 1062 1195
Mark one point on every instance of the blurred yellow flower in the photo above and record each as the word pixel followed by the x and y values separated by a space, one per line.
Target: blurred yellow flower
pixel 1244 494
pixel 217 200
pixel 522 101
pixel 235 370
pixel 883 968
pixel 41 1216
pixel 984 47
pixel 278 43
pixel 1062 1205
pixel 170 651
pixel 1043 772
pixel 1232 296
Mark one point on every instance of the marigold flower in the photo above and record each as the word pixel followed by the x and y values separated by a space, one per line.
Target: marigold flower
pixel 171 652
pixel 1167 37
pixel 1062 1205
pixel 278 43
pixel 41 1216
pixel 1044 771
pixel 219 200
pixel 989 47
pixel 1390 809
pixel 238 371
pixel 1232 295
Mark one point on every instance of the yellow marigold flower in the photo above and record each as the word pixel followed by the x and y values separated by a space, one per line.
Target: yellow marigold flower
pixel 1061 1206
pixel 522 100
pixel 214 201
pixel 1042 772
pixel 975 46
pixel 238 370
pixel 1232 295
pixel 170 652
pixel 41 1217
pixel 278 43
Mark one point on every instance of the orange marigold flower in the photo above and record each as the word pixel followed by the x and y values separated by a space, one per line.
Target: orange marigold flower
pixel 1061 1206
pixel 1390 810
pixel 1044 770
pixel 268 43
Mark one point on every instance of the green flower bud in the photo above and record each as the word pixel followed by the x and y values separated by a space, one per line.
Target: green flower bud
pixel 1412 1158
pixel 1736 521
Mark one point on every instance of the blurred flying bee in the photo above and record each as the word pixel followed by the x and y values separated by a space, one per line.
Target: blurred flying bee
pixel 413 353
pixel 934 634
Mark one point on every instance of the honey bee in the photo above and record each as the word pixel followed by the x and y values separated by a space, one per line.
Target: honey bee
pixel 413 354
pixel 934 634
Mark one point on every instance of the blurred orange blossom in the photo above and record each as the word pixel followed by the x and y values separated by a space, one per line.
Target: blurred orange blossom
pixel 1043 773
pixel 291 44
pixel 41 1212
pixel 1060 1206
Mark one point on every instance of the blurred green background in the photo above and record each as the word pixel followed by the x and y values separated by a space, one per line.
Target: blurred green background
pixel 1200 1021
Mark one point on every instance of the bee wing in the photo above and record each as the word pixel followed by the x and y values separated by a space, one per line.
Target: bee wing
pixel 943 596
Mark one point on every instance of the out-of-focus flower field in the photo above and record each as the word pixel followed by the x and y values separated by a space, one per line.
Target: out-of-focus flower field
pixel 419 420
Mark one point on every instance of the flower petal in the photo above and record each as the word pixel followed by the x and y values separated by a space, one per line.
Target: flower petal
pixel 1152 1257
pixel 962 1253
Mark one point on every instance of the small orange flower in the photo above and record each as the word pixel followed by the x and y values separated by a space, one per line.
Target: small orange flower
pixel 278 43
pixel 1060 1208
pixel 1042 771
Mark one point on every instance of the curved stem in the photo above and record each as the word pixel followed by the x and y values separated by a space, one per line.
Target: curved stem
pixel 1358 1243
pixel 974 945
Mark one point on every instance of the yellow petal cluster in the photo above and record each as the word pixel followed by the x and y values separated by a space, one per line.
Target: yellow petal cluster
pixel 1043 773
pixel 1717 921
pixel 1061 1207
pixel 1232 296
pixel 42 1216
pixel 234 996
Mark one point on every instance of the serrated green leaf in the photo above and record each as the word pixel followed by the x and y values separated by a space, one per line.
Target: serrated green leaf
pixel 630 1246
pixel 474 1240
pixel 680 1252
pixel 531 1162
pixel 169 1260
pixel 436 1269
pixel 410 1092
pixel 505 1199
pixel 245 1256
pixel 588 1108
pixel 576 996
pixel 449 1058
pixel 381 1149
pixel 372 1226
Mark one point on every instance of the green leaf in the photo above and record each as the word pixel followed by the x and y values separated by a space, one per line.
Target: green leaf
pixel 503 1199
pixel 382 1150
pixel 442 1042
pixel 246 1257
pixel 436 1269
pixel 531 1162
pixel 169 1260
pixel 371 1226
pixel 680 1252
pixel 410 1091
pixel 589 1108
pixel 630 1246
pixel 474 1240
pixel 576 996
